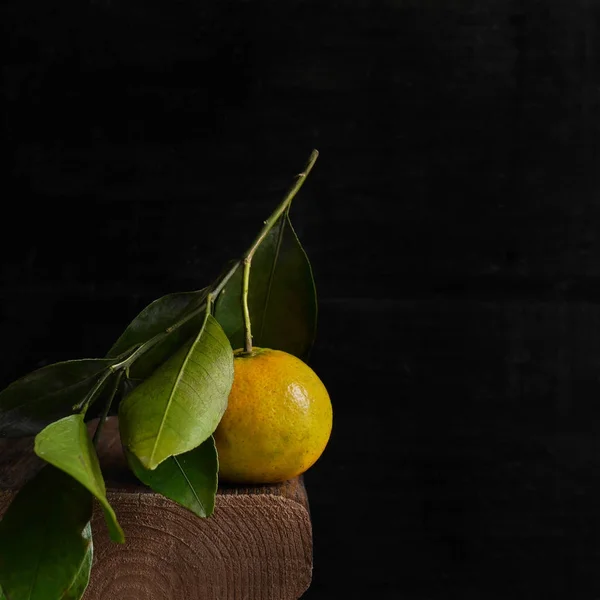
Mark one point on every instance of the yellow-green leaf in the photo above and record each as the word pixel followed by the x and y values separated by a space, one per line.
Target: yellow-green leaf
pixel 182 402
pixel 66 445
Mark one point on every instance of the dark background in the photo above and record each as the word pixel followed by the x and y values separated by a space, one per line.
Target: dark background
pixel 452 222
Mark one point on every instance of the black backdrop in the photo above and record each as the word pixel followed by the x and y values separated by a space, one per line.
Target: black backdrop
pixel 451 220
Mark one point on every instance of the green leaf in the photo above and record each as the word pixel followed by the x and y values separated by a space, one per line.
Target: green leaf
pixel 156 318
pixel 81 580
pixel 46 539
pixel 189 479
pixel 66 444
pixel 182 402
pixel 48 394
pixel 282 298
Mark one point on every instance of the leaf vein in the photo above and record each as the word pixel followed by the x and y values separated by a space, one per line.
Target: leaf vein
pixel 202 366
pixel 176 383
pixel 192 488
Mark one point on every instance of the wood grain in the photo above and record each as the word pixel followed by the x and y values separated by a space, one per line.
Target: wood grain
pixel 257 545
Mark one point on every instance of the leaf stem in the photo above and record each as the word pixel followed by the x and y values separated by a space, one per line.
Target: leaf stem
pixel 107 406
pixel 294 189
pixel 225 279
pixel 143 348
pixel 245 310
pixel 91 395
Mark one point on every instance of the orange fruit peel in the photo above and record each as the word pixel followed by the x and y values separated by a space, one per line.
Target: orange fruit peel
pixel 278 419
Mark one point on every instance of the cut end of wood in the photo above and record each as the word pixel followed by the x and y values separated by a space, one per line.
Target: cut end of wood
pixel 254 546
pixel 257 544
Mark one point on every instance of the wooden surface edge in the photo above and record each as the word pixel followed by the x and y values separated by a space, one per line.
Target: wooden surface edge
pixel 257 544
pixel 18 464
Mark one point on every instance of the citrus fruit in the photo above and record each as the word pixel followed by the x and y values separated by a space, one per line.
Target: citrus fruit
pixel 278 418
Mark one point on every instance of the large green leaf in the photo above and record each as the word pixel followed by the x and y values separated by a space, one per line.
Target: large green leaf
pixel 182 402
pixel 189 479
pixel 46 540
pixel 155 319
pixel 48 394
pixel 66 444
pixel 282 298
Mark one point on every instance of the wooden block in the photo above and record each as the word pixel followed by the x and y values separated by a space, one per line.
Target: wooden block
pixel 256 546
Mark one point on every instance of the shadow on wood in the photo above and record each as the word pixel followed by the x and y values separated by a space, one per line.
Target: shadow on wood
pixel 257 545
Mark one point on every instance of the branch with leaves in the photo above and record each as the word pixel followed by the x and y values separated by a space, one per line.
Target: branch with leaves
pixel 168 378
